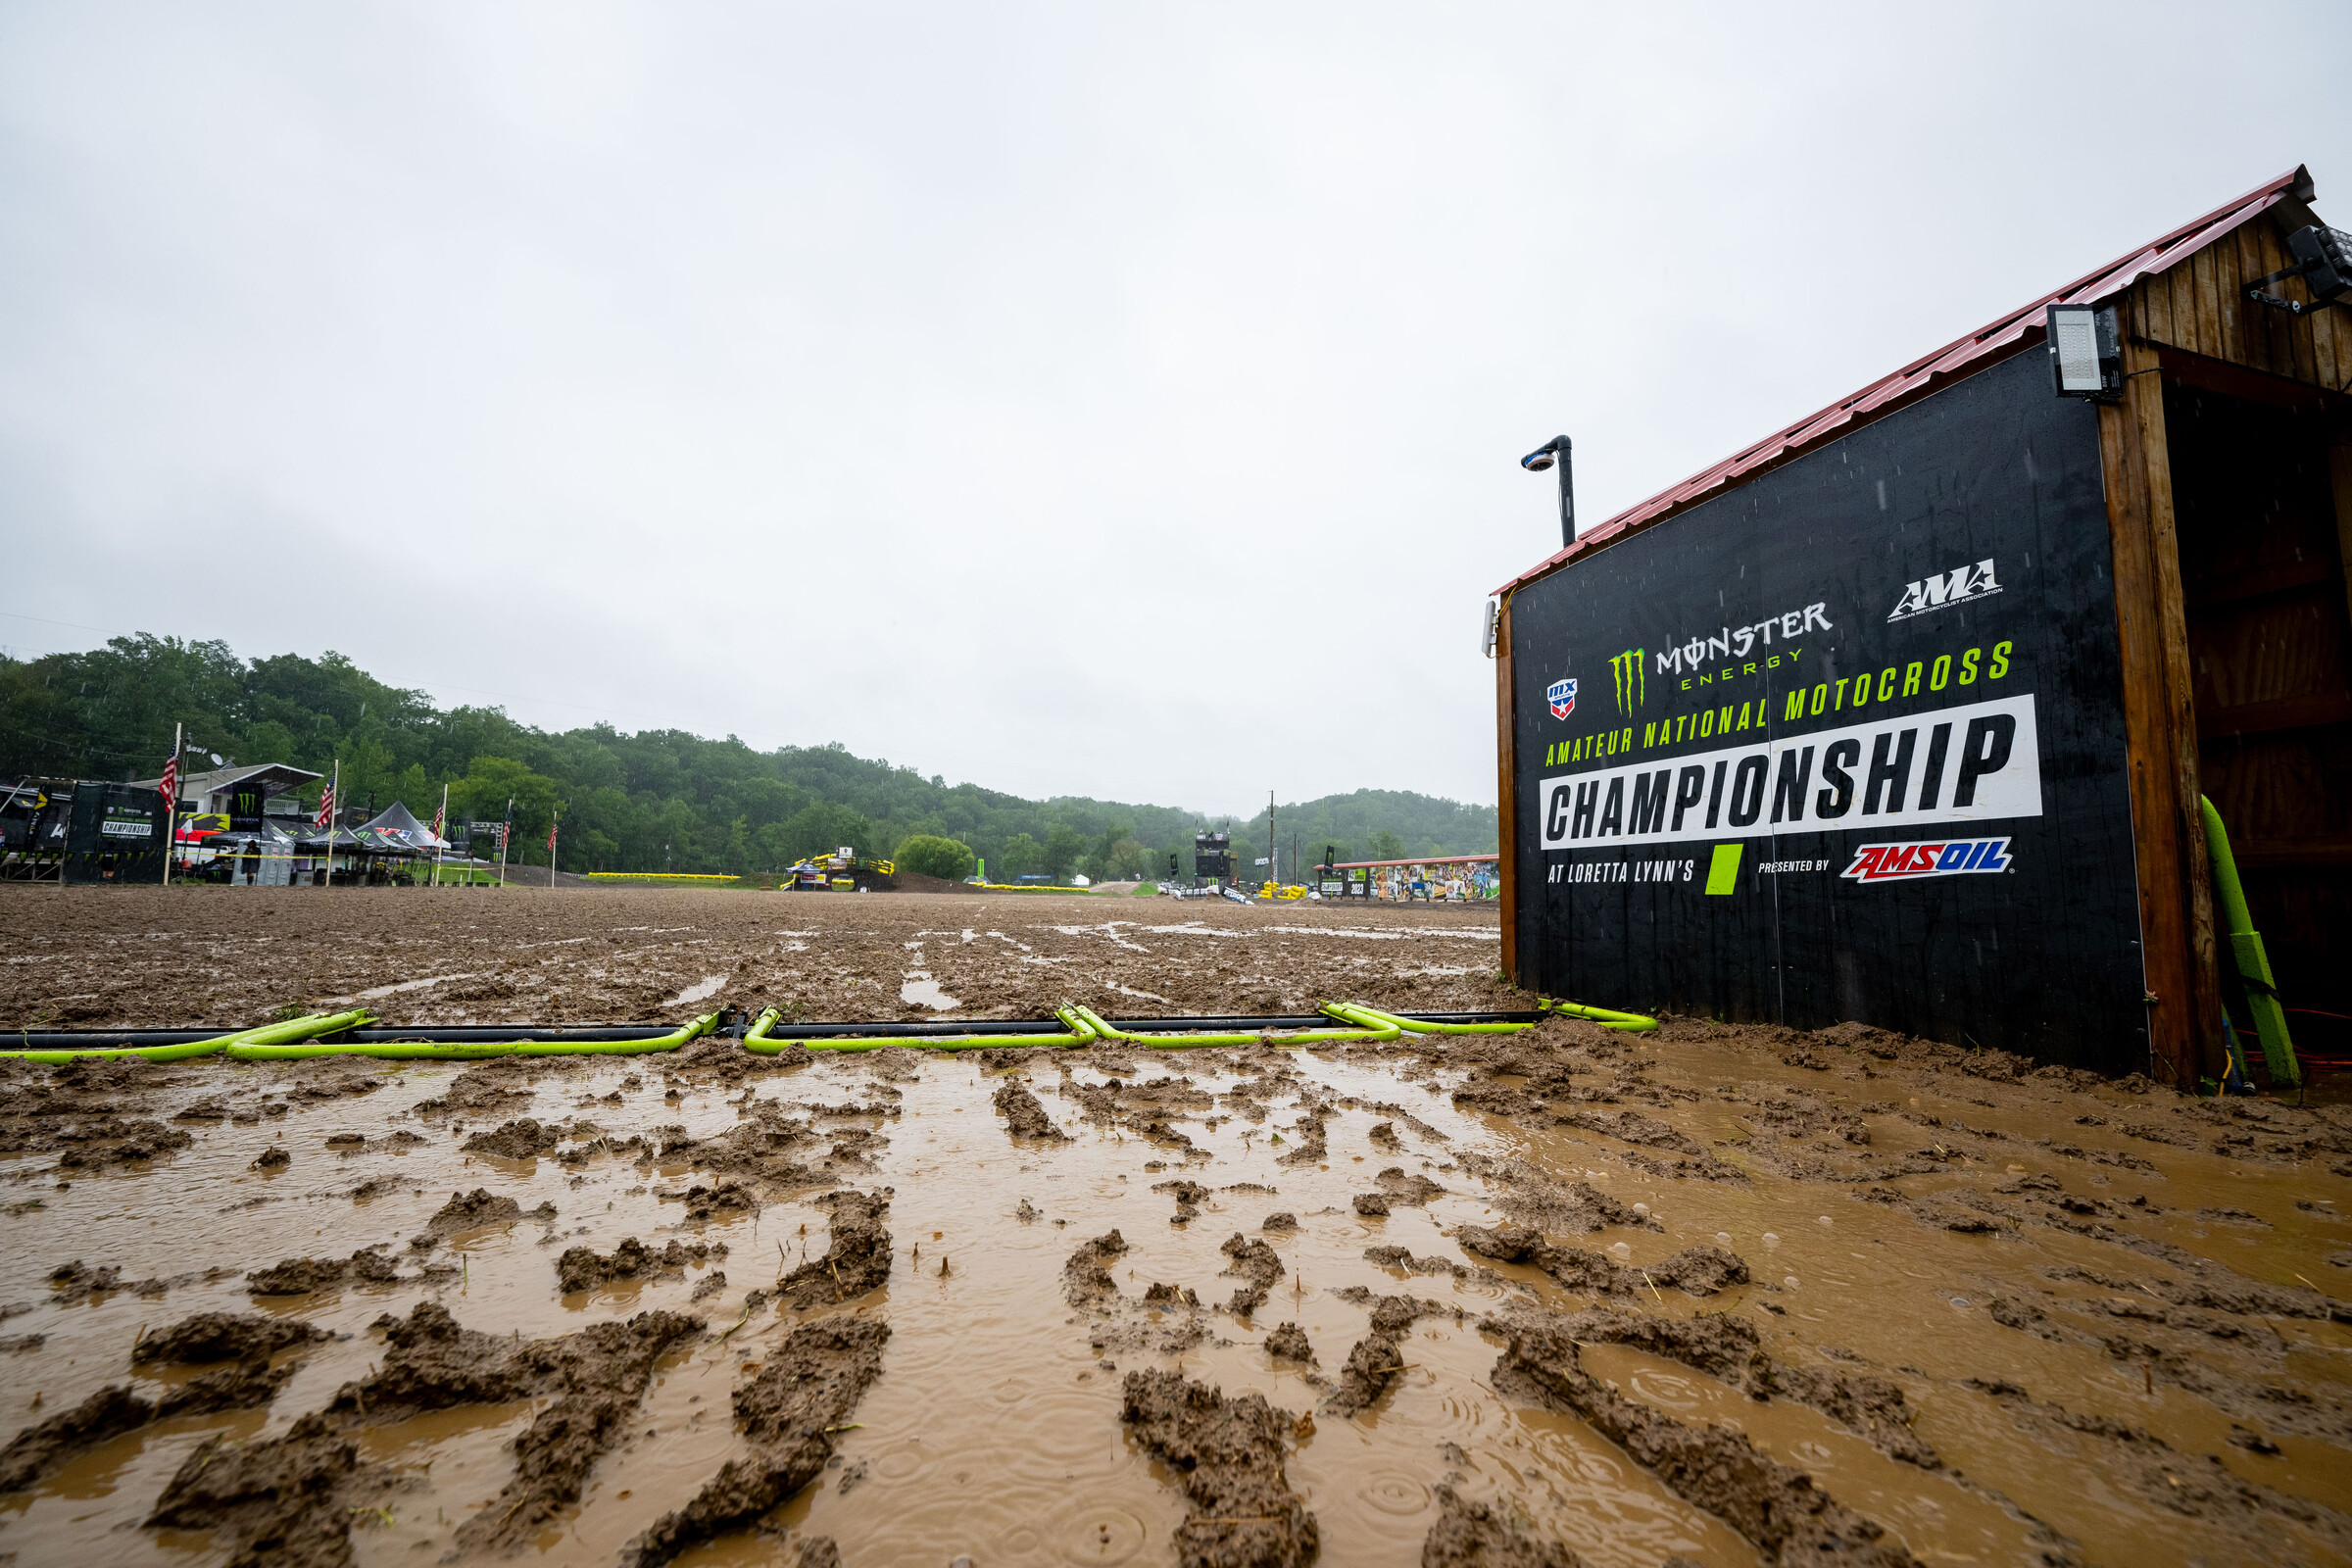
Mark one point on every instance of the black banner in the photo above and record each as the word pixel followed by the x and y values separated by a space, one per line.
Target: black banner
pixel 115 833
pixel 1847 742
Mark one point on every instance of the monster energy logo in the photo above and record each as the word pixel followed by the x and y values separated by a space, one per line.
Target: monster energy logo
pixel 1632 689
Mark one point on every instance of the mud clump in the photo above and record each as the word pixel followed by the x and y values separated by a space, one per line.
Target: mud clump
pixel 599 1376
pixel 727 1198
pixel 1257 1265
pixel 1376 1358
pixel 225 1336
pixel 1227 1455
pixel 72 1284
pixel 581 1268
pixel 1473 1534
pixel 1085 1282
pixel 1788 1519
pixel 1024 1116
pixel 1189 1195
pixel 1402 1257
pixel 857 1254
pixel 300 1276
pixel 521 1139
pixel 1413 1191
pixel 1312 1147
pixel 1372 1205
pixel 1290 1342
pixel 805 1390
pixel 1729 1349
pixel 43 1447
pixel 468 1211
pixel 485 1088
pixel 1280 1221
pixel 1702 1270
pixel 283 1500
pixel 1532 1196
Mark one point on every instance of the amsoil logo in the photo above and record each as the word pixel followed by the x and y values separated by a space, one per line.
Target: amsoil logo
pixel 1904 862
pixel 1958 586
pixel 1633 685
pixel 1561 693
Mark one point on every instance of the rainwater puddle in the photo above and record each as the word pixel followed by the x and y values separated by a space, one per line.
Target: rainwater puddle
pixel 704 991
pixel 923 991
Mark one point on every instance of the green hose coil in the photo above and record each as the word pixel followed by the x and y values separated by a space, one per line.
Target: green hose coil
pixel 1365 1030
pixel 1606 1017
pixel 248 1049
pixel 2246 952
pixel 757 1040
pixel 318 1023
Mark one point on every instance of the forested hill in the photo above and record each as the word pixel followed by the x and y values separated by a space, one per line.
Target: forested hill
pixel 651 801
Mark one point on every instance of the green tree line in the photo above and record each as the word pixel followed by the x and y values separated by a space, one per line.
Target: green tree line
pixel 652 801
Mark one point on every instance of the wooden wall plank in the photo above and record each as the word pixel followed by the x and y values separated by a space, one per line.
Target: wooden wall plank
pixel 2226 304
pixel 2146 401
pixel 2182 285
pixel 2154 299
pixel 2176 921
pixel 1506 797
pixel 2208 312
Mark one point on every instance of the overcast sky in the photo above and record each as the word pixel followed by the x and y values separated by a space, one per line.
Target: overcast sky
pixel 1073 398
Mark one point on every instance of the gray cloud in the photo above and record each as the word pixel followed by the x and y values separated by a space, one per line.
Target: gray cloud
pixel 1068 399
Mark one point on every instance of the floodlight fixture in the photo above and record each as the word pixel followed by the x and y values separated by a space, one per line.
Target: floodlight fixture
pixel 1543 456
pixel 2322 261
pixel 2086 356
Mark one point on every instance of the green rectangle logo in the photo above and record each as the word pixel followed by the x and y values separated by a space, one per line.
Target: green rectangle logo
pixel 1723 872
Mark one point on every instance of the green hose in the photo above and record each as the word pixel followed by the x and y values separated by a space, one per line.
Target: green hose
pixel 1373 1017
pixel 2253 963
pixel 1302 1037
pixel 1608 1018
pixel 475 1051
pixel 318 1023
pixel 756 1039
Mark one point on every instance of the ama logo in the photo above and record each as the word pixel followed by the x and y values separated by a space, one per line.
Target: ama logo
pixel 1561 693
pixel 1906 863
pixel 1958 586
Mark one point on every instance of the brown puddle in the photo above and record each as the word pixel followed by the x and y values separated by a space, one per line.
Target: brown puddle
pixel 2104 1333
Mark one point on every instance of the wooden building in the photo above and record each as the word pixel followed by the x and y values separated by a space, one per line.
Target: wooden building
pixel 2160 577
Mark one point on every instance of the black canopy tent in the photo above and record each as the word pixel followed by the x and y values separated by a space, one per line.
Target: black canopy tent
pixel 370 849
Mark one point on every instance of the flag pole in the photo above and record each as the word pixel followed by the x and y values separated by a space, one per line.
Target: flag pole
pixel 172 802
pixel 334 803
pixel 552 827
pixel 504 832
pixel 440 822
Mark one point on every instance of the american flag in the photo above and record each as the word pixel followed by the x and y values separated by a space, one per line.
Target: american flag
pixel 326 808
pixel 169 788
pixel 440 820
pixel 551 838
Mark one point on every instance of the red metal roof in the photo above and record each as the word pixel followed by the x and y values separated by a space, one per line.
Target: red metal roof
pixel 2018 329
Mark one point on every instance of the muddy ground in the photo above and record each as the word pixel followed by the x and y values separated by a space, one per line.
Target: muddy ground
pixel 78 958
pixel 1727 1296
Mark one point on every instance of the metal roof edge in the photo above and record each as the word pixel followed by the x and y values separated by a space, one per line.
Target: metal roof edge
pixel 2006 335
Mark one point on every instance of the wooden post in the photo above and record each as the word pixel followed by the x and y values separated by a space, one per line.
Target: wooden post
pixel 2176 885
pixel 1506 806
